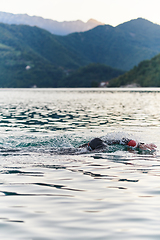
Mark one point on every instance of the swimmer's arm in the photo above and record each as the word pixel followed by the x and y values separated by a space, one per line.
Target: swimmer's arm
pixel 133 143
pixel 144 146
pixel 123 141
pixel 84 145
pixel 111 142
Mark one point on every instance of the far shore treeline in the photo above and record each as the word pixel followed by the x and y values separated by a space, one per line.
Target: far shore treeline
pixel 116 56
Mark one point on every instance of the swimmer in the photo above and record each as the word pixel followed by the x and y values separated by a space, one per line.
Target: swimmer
pixel 98 143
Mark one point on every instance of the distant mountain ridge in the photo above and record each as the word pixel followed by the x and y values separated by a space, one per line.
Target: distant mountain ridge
pixel 54 27
pixel 120 47
pixel 33 56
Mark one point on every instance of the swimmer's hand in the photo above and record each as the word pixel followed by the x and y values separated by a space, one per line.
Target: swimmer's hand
pixel 150 146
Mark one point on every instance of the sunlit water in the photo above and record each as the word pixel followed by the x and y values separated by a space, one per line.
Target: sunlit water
pixel 50 190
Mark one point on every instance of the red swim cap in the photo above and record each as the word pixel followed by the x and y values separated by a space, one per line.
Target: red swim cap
pixel 132 143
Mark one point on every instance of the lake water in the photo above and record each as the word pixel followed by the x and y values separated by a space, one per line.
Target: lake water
pixel 50 191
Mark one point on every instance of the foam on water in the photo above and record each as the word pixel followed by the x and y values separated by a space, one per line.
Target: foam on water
pixel 59 144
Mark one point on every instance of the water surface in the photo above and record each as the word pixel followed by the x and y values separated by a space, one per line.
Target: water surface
pixel 48 193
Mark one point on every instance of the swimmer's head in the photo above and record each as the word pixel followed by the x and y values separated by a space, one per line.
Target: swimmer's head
pixel 96 143
pixel 132 143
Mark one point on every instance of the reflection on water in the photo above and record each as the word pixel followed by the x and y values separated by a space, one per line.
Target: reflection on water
pixel 45 194
pixel 96 198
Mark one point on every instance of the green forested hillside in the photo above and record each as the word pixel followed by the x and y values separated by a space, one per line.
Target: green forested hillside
pixel 44 45
pixel 90 76
pixel 26 59
pixel 16 55
pixel 120 47
pixel 50 58
pixel 146 74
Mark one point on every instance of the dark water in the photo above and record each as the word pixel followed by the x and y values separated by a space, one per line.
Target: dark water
pixel 49 190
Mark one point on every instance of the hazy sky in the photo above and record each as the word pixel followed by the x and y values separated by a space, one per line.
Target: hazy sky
pixel 111 12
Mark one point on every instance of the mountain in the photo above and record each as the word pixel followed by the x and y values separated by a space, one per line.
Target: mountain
pixel 21 65
pixel 33 56
pixel 30 56
pixel 120 47
pixel 146 74
pixel 55 27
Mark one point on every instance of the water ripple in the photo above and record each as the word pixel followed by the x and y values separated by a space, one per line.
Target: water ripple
pixel 49 191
